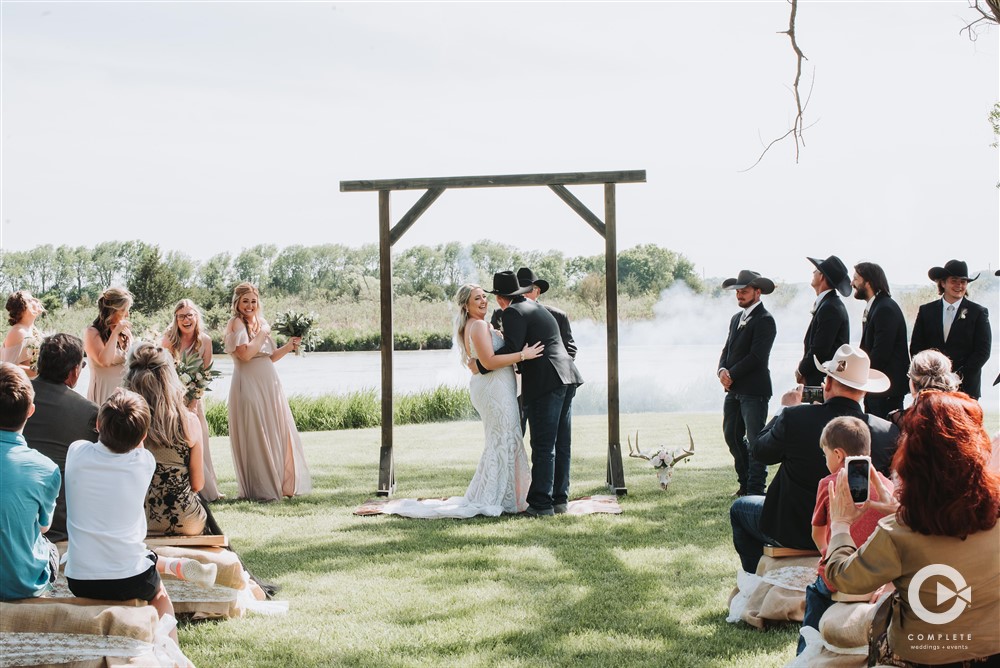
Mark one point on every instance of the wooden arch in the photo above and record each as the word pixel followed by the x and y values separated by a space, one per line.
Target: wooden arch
pixel 389 234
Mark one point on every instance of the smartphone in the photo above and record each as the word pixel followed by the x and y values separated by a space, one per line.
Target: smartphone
pixel 812 394
pixel 857 477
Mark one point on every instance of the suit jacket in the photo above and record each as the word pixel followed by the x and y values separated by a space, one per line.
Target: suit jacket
pixel 747 352
pixel 61 416
pixel 968 344
pixel 828 330
pixel 525 321
pixel 883 337
pixel 792 439
pixel 565 332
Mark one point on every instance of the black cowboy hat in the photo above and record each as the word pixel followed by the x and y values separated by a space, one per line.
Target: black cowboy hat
pixel 526 277
pixel 505 284
pixel 955 268
pixel 836 273
pixel 747 278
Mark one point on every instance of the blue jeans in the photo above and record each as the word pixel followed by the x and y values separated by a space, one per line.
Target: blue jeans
pixel 550 416
pixel 743 418
pixel 748 539
pixel 818 599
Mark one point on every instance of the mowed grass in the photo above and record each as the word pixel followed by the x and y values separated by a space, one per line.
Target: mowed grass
pixel 648 587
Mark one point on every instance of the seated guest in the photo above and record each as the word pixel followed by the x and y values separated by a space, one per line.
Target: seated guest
pixel 61 415
pixel 106 485
pixel 844 437
pixel 29 483
pixel 945 519
pixel 929 370
pixel 172 505
pixel 791 439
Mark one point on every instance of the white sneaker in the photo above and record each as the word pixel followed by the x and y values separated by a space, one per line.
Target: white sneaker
pixel 198 573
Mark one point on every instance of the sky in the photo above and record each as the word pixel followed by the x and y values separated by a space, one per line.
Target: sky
pixel 211 127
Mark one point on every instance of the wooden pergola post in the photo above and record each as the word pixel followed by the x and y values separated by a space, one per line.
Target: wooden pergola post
pixel 389 234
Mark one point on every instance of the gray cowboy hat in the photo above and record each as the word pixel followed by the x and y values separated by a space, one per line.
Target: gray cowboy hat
pixel 836 273
pixel 747 278
pixel 526 277
pixel 852 367
pixel 955 268
pixel 505 284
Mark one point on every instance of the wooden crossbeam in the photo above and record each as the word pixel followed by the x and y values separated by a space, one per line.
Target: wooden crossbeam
pixel 589 216
pixel 417 210
pixel 504 180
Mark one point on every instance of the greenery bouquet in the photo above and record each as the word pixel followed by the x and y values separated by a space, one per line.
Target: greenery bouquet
pixel 293 323
pixel 194 375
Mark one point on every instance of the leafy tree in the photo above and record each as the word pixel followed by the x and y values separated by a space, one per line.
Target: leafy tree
pixel 182 266
pixel 290 272
pixel 153 284
pixel 106 266
pixel 131 255
pixel 254 264
pixel 41 268
pixel 12 271
pixel 419 272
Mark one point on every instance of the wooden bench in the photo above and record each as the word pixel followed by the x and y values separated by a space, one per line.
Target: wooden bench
pixel 777 551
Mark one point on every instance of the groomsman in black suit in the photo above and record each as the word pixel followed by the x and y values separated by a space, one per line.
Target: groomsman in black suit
pixel 956 326
pixel 548 385
pixel 883 337
pixel 829 328
pixel 744 374
pixel 61 415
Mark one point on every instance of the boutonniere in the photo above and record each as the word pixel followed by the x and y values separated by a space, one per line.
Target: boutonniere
pixel 743 322
pixel 961 316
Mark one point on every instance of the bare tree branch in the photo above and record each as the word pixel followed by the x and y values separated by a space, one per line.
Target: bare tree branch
pixel 989 12
pixel 798 126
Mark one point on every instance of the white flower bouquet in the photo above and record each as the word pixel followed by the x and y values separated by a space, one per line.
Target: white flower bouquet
pixel 194 375
pixel 293 323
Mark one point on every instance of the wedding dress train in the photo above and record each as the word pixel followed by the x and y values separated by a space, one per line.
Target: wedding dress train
pixel 503 476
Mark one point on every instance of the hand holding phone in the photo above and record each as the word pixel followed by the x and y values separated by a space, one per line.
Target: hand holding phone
pixel 858 471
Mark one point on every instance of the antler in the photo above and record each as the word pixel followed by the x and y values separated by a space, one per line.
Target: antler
pixel 636 452
pixel 686 453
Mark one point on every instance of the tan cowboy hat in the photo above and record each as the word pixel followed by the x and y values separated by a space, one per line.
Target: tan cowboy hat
pixel 852 367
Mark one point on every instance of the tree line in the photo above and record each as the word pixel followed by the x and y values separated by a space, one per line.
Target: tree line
pixel 67 275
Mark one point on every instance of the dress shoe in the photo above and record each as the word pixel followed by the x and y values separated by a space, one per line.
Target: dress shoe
pixel 560 508
pixel 539 512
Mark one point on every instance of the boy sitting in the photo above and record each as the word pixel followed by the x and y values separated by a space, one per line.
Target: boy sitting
pixel 106 485
pixel 842 437
pixel 29 485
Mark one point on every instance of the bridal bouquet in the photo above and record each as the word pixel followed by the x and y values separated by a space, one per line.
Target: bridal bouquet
pixel 293 323
pixel 32 344
pixel 194 375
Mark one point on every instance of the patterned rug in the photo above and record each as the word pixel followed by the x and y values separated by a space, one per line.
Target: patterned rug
pixel 585 505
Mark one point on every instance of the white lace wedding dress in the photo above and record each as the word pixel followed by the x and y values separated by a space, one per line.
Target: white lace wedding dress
pixel 503 476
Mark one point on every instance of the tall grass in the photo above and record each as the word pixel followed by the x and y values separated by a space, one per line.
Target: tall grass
pixel 361 409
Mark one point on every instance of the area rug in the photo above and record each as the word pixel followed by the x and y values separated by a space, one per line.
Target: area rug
pixel 585 505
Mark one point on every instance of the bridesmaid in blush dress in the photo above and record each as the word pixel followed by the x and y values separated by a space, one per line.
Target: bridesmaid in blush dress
pixel 185 336
pixel 23 309
pixel 107 342
pixel 267 451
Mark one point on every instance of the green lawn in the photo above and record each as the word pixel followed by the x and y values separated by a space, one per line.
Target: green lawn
pixel 645 588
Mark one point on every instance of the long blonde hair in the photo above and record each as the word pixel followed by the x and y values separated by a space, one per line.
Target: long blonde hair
pixel 150 373
pixel 173 334
pixel 243 289
pixel 462 319
pixel 110 302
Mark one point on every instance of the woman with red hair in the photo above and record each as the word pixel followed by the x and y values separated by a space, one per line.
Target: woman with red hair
pixel 941 547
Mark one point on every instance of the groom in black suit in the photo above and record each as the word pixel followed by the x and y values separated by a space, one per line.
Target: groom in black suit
pixel 548 385
pixel 746 378
pixel 956 326
pixel 829 328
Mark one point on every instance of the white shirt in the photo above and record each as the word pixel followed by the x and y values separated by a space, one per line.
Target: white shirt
pixel 819 298
pixel 105 511
pixel 748 309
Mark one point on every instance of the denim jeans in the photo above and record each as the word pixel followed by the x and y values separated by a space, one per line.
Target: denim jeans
pixel 550 417
pixel 818 599
pixel 749 541
pixel 743 419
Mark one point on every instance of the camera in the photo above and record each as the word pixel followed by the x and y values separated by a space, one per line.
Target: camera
pixel 857 477
pixel 812 394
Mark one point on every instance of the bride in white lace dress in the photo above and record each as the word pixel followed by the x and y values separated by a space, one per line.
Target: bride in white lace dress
pixel 503 476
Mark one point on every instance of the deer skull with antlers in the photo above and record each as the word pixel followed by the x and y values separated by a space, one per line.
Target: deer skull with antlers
pixel 663 460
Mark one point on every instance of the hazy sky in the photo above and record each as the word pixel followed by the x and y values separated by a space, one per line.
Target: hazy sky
pixel 209 127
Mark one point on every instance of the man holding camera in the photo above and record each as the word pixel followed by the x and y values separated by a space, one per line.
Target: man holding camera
pixel 744 374
pixel 791 439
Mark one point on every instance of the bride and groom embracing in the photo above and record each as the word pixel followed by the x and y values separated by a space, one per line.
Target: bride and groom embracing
pixel 531 339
